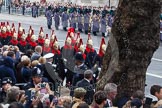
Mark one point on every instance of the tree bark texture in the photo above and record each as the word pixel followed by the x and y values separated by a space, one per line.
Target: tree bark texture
pixel 135 38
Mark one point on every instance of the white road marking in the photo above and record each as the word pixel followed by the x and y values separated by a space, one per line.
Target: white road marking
pixel 157 59
pixel 153 75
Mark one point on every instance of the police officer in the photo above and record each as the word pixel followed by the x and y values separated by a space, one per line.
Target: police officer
pixel 6 84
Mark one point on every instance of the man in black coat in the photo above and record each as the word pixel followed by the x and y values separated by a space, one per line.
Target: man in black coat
pixel 85 83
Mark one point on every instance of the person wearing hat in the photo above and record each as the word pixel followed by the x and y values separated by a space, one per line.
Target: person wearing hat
pixel 65 18
pixel 32 43
pixel 30 33
pixel 79 68
pixel 20 31
pixel 90 54
pixel 46 47
pixel 49 17
pixel 3 36
pixel 57 19
pixel 8 32
pixel 41 39
pixel 67 54
pixel 86 84
pixel 23 44
pixel 86 22
pixel 95 26
pixel 99 58
pixel 103 25
pixel 14 40
pixel 36 78
pixel 6 84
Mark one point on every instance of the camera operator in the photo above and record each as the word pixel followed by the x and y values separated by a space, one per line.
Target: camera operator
pixel 38 90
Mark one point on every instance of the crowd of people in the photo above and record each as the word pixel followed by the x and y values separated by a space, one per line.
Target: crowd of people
pixel 31 68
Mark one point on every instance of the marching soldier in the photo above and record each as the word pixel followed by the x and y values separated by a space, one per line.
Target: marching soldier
pixel 90 53
pixel 65 18
pixel 23 44
pixel 86 22
pixel 95 27
pixel 57 19
pixel 49 17
pixel 32 43
pixel 14 40
pixel 80 22
pixel 67 55
pixel 103 26
pixel 41 40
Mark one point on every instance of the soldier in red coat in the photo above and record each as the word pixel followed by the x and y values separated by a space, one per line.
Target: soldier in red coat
pixel 20 31
pixel 46 47
pixel 30 33
pixel 41 37
pixel 8 33
pixel 32 43
pixel 14 40
pixel 3 36
pixel 23 44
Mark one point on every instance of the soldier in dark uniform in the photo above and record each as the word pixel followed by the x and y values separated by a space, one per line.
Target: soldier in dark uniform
pixel 6 84
pixel 103 25
pixel 95 27
pixel 73 20
pixel 23 44
pixel 90 54
pixel 86 22
pixel 32 43
pixel 14 40
pixel 80 22
pixel 49 17
pixel 67 54
pixel 57 19
pixel 65 18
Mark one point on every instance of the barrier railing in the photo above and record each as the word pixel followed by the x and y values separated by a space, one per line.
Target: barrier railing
pixel 20 11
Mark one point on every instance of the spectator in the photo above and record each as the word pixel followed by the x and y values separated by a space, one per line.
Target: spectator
pixel 99 99
pixel 83 105
pixel 136 100
pixel 37 53
pixel 26 71
pixel 111 92
pixel 16 105
pixel 85 83
pixel 34 63
pixel 156 90
pixel 79 94
pixel 7 70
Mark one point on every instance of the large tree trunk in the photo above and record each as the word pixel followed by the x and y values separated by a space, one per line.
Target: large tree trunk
pixel 135 37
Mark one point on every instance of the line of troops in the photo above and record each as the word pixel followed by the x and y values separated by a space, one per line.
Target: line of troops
pixel 85 19
pixel 73 44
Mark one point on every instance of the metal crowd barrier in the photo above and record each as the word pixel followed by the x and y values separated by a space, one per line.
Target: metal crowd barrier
pixel 19 11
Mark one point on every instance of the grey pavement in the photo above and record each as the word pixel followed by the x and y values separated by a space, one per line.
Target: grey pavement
pixel 154 71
